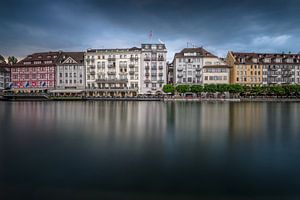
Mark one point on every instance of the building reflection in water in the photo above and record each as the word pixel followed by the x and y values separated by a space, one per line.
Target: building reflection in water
pixel 151 147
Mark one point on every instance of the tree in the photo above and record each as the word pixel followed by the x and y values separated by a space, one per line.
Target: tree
pixel 168 88
pixel 197 89
pixel 182 88
pixel 12 60
pixel 2 59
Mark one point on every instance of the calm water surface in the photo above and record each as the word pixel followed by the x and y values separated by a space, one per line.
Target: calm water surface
pixel 149 150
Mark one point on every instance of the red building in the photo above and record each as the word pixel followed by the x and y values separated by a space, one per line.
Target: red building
pixel 35 72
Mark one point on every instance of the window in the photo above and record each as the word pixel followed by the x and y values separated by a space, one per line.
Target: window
pixel 60 75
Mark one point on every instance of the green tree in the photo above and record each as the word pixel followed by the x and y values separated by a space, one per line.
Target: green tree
pixel 197 89
pixel 12 60
pixel 210 88
pixel 182 88
pixel 168 88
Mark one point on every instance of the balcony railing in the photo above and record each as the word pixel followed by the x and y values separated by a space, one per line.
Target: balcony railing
pixel 198 69
pixel 160 74
pixel 92 72
pixel 112 80
pixel 131 65
pixel 111 73
pixel 111 59
pixel 161 59
pixel 160 67
pixel 179 75
pixel 111 66
pixel 179 69
pixel 147 74
pixel 131 72
pixel 147 59
pixel 160 81
pixel 147 81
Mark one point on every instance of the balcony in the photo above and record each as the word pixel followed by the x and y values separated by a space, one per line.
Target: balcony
pixel 286 69
pixel 161 59
pixel 160 81
pixel 160 74
pixel 198 75
pixel 131 65
pixel 93 73
pixel 111 73
pixel 111 59
pixel 179 76
pixel 134 59
pixel 147 74
pixel 160 67
pixel 111 80
pixel 92 66
pixel 131 72
pixel 111 66
pixel 179 69
pixel 147 81
pixel 287 74
pixel 198 69
pixel 147 59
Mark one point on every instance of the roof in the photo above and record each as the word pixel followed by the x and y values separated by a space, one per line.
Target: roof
pixel 113 50
pixel 77 56
pixel 200 52
pixel 43 56
pixel 249 58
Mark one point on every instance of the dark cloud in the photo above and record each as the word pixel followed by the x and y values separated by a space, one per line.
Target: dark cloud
pixel 219 25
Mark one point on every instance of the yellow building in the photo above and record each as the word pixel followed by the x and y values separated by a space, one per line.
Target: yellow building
pixel 246 68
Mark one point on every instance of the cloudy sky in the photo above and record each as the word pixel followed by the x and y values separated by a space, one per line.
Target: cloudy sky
pixel 217 25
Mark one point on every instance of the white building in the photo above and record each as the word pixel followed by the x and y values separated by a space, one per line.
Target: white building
pixel 70 73
pixel 189 63
pixel 126 72
pixel 153 68
pixel 113 72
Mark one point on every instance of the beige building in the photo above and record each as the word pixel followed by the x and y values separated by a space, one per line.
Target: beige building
pixel 216 74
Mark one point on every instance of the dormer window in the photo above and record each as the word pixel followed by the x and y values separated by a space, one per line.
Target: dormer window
pixel 39 57
pixel 254 60
pixel 27 63
pixel 37 62
pixel 289 60
pixel 267 60
pixel 278 60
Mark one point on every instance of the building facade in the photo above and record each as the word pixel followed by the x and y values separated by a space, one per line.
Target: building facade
pixel 70 73
pixel 153 68
pixel 4 75
pixel 126 72
pixel 216 74
pixel 264 68
pixel 35 72
pixel 189 63
pixel 113 72
pixel 170 73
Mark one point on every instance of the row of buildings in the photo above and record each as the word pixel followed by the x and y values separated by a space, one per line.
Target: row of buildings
pixel 144 70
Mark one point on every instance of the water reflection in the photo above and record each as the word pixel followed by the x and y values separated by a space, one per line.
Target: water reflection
pixel 149 149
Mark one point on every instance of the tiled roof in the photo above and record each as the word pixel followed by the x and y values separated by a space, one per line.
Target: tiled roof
pixel 43 56
pixel 77 56
pixel 248 58
pixel 201 52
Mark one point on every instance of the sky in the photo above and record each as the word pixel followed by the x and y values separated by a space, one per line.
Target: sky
pixel 30 26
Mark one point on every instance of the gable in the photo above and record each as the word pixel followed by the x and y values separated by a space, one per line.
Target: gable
pixel 69 60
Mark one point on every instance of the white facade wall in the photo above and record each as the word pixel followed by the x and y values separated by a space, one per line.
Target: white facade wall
pixel 153 68
pixel 70 76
